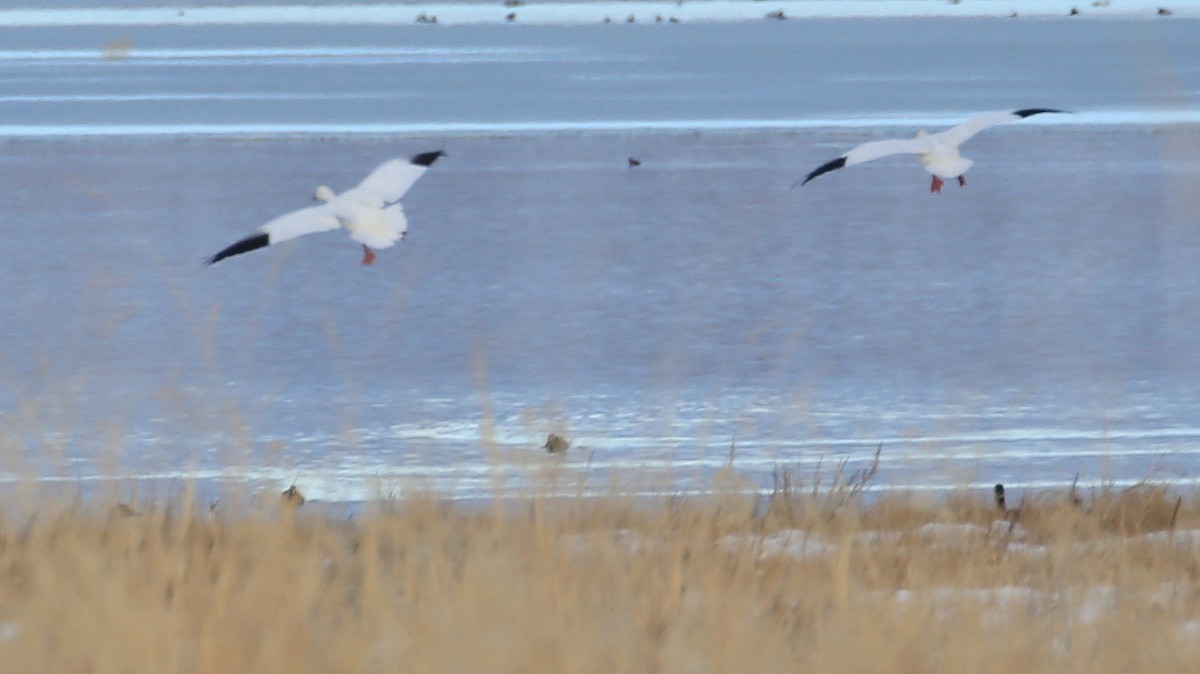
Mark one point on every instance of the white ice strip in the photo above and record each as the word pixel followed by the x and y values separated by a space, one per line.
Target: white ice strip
pixel 224 53
pixel 208 96
pixel 570 12
pixel 223 58
pixel 428 129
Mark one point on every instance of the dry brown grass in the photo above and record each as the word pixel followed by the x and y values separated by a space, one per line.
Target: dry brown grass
pixel 793 583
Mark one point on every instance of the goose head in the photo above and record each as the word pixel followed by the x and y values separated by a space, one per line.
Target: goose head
pixel 323 193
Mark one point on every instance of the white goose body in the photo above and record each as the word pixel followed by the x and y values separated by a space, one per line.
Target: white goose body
pixel 942 159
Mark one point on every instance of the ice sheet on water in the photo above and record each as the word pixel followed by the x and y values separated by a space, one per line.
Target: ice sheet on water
pixel 193 14
pixel 1099 118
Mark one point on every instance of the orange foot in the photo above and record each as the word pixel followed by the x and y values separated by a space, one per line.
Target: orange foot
pixel 368 256
pixel 936 185
pixel 962 181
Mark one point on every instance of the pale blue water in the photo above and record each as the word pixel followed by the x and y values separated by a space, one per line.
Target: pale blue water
pixel 1036 325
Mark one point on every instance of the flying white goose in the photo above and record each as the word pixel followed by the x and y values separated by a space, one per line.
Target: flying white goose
pixel 938 152
pixel 370 212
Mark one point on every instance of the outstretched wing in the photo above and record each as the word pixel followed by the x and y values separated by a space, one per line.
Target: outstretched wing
pixel 288 226
pixel 298 223
pixel 873 150
pixel 391 180
pixel 886 148
pixel 960 134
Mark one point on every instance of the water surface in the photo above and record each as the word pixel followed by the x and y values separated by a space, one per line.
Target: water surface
pixel 1036 325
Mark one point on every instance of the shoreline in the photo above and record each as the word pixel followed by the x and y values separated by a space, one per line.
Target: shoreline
pixel 571 13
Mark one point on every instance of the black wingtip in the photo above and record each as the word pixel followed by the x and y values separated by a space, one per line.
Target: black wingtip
pixel 244 246
pixel 427 158
pixel 831 165
pixel 1029 112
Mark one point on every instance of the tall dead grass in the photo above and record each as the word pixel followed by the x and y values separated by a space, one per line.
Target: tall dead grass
pixel 797 582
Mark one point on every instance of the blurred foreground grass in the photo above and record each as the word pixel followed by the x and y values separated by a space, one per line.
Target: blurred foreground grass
pixel 794 582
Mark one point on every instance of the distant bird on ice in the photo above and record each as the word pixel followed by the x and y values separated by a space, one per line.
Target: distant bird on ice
pixel 938 152
pixel 370 212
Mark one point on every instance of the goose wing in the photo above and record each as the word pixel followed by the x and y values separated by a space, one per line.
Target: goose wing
pixel 391 180
pixel 873 150
pixel 288 226
pixel 960 134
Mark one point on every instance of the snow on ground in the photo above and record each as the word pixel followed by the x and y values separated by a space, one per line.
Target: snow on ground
pixel 1083 604
pixel 1004 535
